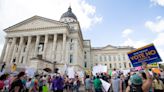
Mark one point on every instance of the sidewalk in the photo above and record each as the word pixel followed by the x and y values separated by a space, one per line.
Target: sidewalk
pixel 81 89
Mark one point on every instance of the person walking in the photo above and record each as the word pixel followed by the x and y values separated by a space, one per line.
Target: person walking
pixel 3 66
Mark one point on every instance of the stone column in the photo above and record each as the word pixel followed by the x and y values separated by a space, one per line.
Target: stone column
pixel 11 50
pixel 13 55
pixel 64 46
pixel 36 45
pixel 27 49
pixel 45 46
pixel 4 50
pixel 19 49
pixel 54 47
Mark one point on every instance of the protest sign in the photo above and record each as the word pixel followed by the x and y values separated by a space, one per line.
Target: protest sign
pixel 30 72
pixel 153 65
pixel 146 54
pixel 71 72
pixel 105 85
pixel 99 69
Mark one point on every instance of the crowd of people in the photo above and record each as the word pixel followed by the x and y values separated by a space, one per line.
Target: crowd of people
pixel 134 81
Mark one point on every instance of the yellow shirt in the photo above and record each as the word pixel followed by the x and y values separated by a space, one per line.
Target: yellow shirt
pixel 13 68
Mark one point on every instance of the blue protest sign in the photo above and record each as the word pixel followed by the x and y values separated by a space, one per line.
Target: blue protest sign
pixel 146 54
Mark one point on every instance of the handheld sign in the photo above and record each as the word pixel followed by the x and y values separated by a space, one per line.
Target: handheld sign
pixel 146 54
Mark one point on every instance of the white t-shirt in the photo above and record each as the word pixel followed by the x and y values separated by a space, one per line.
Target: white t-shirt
pixel 28 84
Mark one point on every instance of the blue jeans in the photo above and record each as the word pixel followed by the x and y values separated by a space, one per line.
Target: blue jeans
pixel 76 88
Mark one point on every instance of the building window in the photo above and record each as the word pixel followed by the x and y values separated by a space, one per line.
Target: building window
pixel 85 55
pixel 104 58
pixel 114 58
pixel 85 64
pixel 22 59
pixel 71 46
pixel 71 40
pixel 96 57
pixel 120 65
pixel 115 65
pixel 41 47
pixel 125 64
pixel 119 59
pixel 109 58
pixel 71 59
pixel 110 65
pixel 105 64
pixel 100 58
pixel 124 57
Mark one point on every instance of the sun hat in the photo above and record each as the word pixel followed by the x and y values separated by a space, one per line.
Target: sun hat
pixel 136 79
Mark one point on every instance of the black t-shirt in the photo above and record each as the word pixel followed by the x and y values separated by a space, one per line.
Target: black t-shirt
pixel 16 83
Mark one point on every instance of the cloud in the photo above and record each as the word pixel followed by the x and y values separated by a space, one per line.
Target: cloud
pixel 127 32
pixel 155 26
pixel 158 2
pixel 15 11
pixel 159 40
pixel 135 44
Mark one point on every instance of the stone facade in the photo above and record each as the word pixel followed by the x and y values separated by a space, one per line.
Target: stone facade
pixel 112 56
pixel 41 42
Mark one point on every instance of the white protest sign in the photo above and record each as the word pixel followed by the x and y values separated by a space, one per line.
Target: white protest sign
pixel 30 72
pixel 99 69
pixel 81 74
pixel 103 68
pixel 71 72
pixel 105 85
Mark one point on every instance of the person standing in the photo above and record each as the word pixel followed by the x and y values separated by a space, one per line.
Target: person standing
pixel 13 67
pixel 97 84
pixel 115 83
pixel 122 83
pixel 76 84
pixel 17 85
pixel 162 75
pixel 88 84
pixel 136 83
pixel 3 66
pixel 158 84
pixel 58 84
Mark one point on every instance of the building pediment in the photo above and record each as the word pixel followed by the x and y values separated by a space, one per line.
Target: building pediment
pixel 35 22
pixel 109 47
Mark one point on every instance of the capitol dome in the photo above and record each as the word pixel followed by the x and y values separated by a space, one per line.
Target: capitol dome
pixel 68 16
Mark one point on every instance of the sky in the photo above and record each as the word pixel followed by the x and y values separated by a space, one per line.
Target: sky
pixel 105 22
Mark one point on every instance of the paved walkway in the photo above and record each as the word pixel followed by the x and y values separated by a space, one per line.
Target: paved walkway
pixel 81 89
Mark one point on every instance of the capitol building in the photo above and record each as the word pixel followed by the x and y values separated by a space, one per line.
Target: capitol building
pixel 40 43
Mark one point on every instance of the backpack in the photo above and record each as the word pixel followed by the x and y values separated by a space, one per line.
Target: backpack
pixel 136 88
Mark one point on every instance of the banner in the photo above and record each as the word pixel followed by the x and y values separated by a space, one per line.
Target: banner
pixel 146 54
